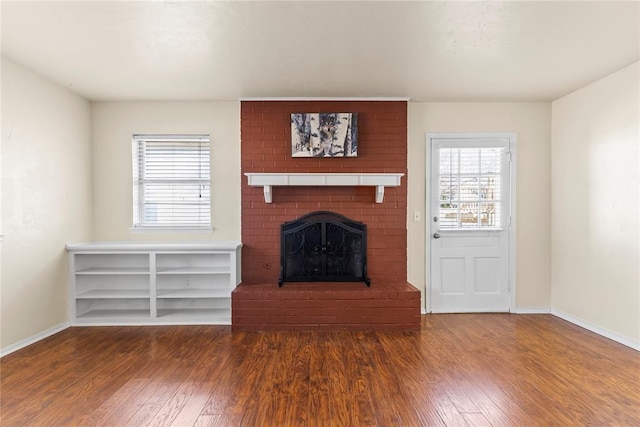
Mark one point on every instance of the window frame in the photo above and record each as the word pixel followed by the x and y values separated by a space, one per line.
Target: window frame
pixel 138 187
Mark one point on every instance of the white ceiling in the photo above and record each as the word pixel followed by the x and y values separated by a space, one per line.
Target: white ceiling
pixel 427 51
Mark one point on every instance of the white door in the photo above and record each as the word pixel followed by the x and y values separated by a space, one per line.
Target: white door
pixel 470 222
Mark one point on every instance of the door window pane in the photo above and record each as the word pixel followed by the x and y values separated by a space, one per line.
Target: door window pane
pixel 448 188
pixel 469 187
pixel 490 187
pixel 488 214
pixel 469 215
pixel 469 160
pixel 448 215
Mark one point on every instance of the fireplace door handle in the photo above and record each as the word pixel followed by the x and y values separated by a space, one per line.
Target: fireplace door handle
pixel 436 235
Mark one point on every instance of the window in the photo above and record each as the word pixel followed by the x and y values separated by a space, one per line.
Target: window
pixel 469 186
pixel 171 181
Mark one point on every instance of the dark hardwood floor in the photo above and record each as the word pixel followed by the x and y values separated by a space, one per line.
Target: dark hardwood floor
pixel 484 369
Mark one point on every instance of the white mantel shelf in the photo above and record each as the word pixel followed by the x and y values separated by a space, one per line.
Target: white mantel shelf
pixel 270 180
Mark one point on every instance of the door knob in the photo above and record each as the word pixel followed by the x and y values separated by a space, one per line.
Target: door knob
pixel 436 235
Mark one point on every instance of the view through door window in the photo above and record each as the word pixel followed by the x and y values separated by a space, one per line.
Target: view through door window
pixel 469 188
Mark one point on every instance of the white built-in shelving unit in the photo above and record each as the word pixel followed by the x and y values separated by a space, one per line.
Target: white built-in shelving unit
pixel 115 283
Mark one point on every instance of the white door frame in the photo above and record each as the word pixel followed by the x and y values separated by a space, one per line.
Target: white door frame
pixel 512 208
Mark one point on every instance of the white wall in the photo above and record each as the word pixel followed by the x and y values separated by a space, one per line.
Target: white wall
pixel 595 204
pixel 46 198
pixel 114 123
pixel 532 123
pixel 51 137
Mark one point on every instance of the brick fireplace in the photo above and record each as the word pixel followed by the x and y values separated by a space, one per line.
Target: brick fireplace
pixel 390 303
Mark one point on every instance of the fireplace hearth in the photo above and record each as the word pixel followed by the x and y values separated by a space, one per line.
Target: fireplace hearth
pixel 323 246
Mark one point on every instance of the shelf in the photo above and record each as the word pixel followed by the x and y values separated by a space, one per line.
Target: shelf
pixel 193 293
pixel 378 180
pixel 193 270
pixel 114 294
pixel 114 270
pixel 137 247
pixel 217 315
pixel 116 314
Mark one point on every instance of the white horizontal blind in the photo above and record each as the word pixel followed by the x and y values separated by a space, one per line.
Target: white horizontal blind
pixel 470 187
pixel 171 181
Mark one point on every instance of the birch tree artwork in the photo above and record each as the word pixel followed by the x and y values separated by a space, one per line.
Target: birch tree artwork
pixel 324 134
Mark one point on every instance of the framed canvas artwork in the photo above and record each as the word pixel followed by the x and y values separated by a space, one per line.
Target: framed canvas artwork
pixel 324 134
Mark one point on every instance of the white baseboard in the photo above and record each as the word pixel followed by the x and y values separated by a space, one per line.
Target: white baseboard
pixel 33 339
pixel 524 310
pixel 597 329
pixel 533 310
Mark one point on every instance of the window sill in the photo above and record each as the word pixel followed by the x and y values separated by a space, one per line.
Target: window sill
pixel 149 230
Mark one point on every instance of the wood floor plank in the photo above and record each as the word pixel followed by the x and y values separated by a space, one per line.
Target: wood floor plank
pixel 415 365
pixel 444 406
pixel 89 377
pixel 194 405
pixel 460 393
pixel 266 405
pixel 114 404
pixel 425 403
pixel 382 380
pixel 218 397
pixel 173 406
pixel 151 406
pixel 343 411
pixel 297 386
pixel 495 415
pixel 319 400
pixel 287 402
pixel 220 391
pixel 356 363
pixel 478 369
pixel 206 421
pixel 134 403
pixel 249 383
pixel 476 419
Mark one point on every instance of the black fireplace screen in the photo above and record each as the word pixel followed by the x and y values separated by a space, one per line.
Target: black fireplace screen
pixel 323 247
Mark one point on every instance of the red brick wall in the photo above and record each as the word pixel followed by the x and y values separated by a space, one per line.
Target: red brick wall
pixel 266 147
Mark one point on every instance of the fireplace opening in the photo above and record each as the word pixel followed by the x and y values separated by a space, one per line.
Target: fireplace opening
pixel 323 247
